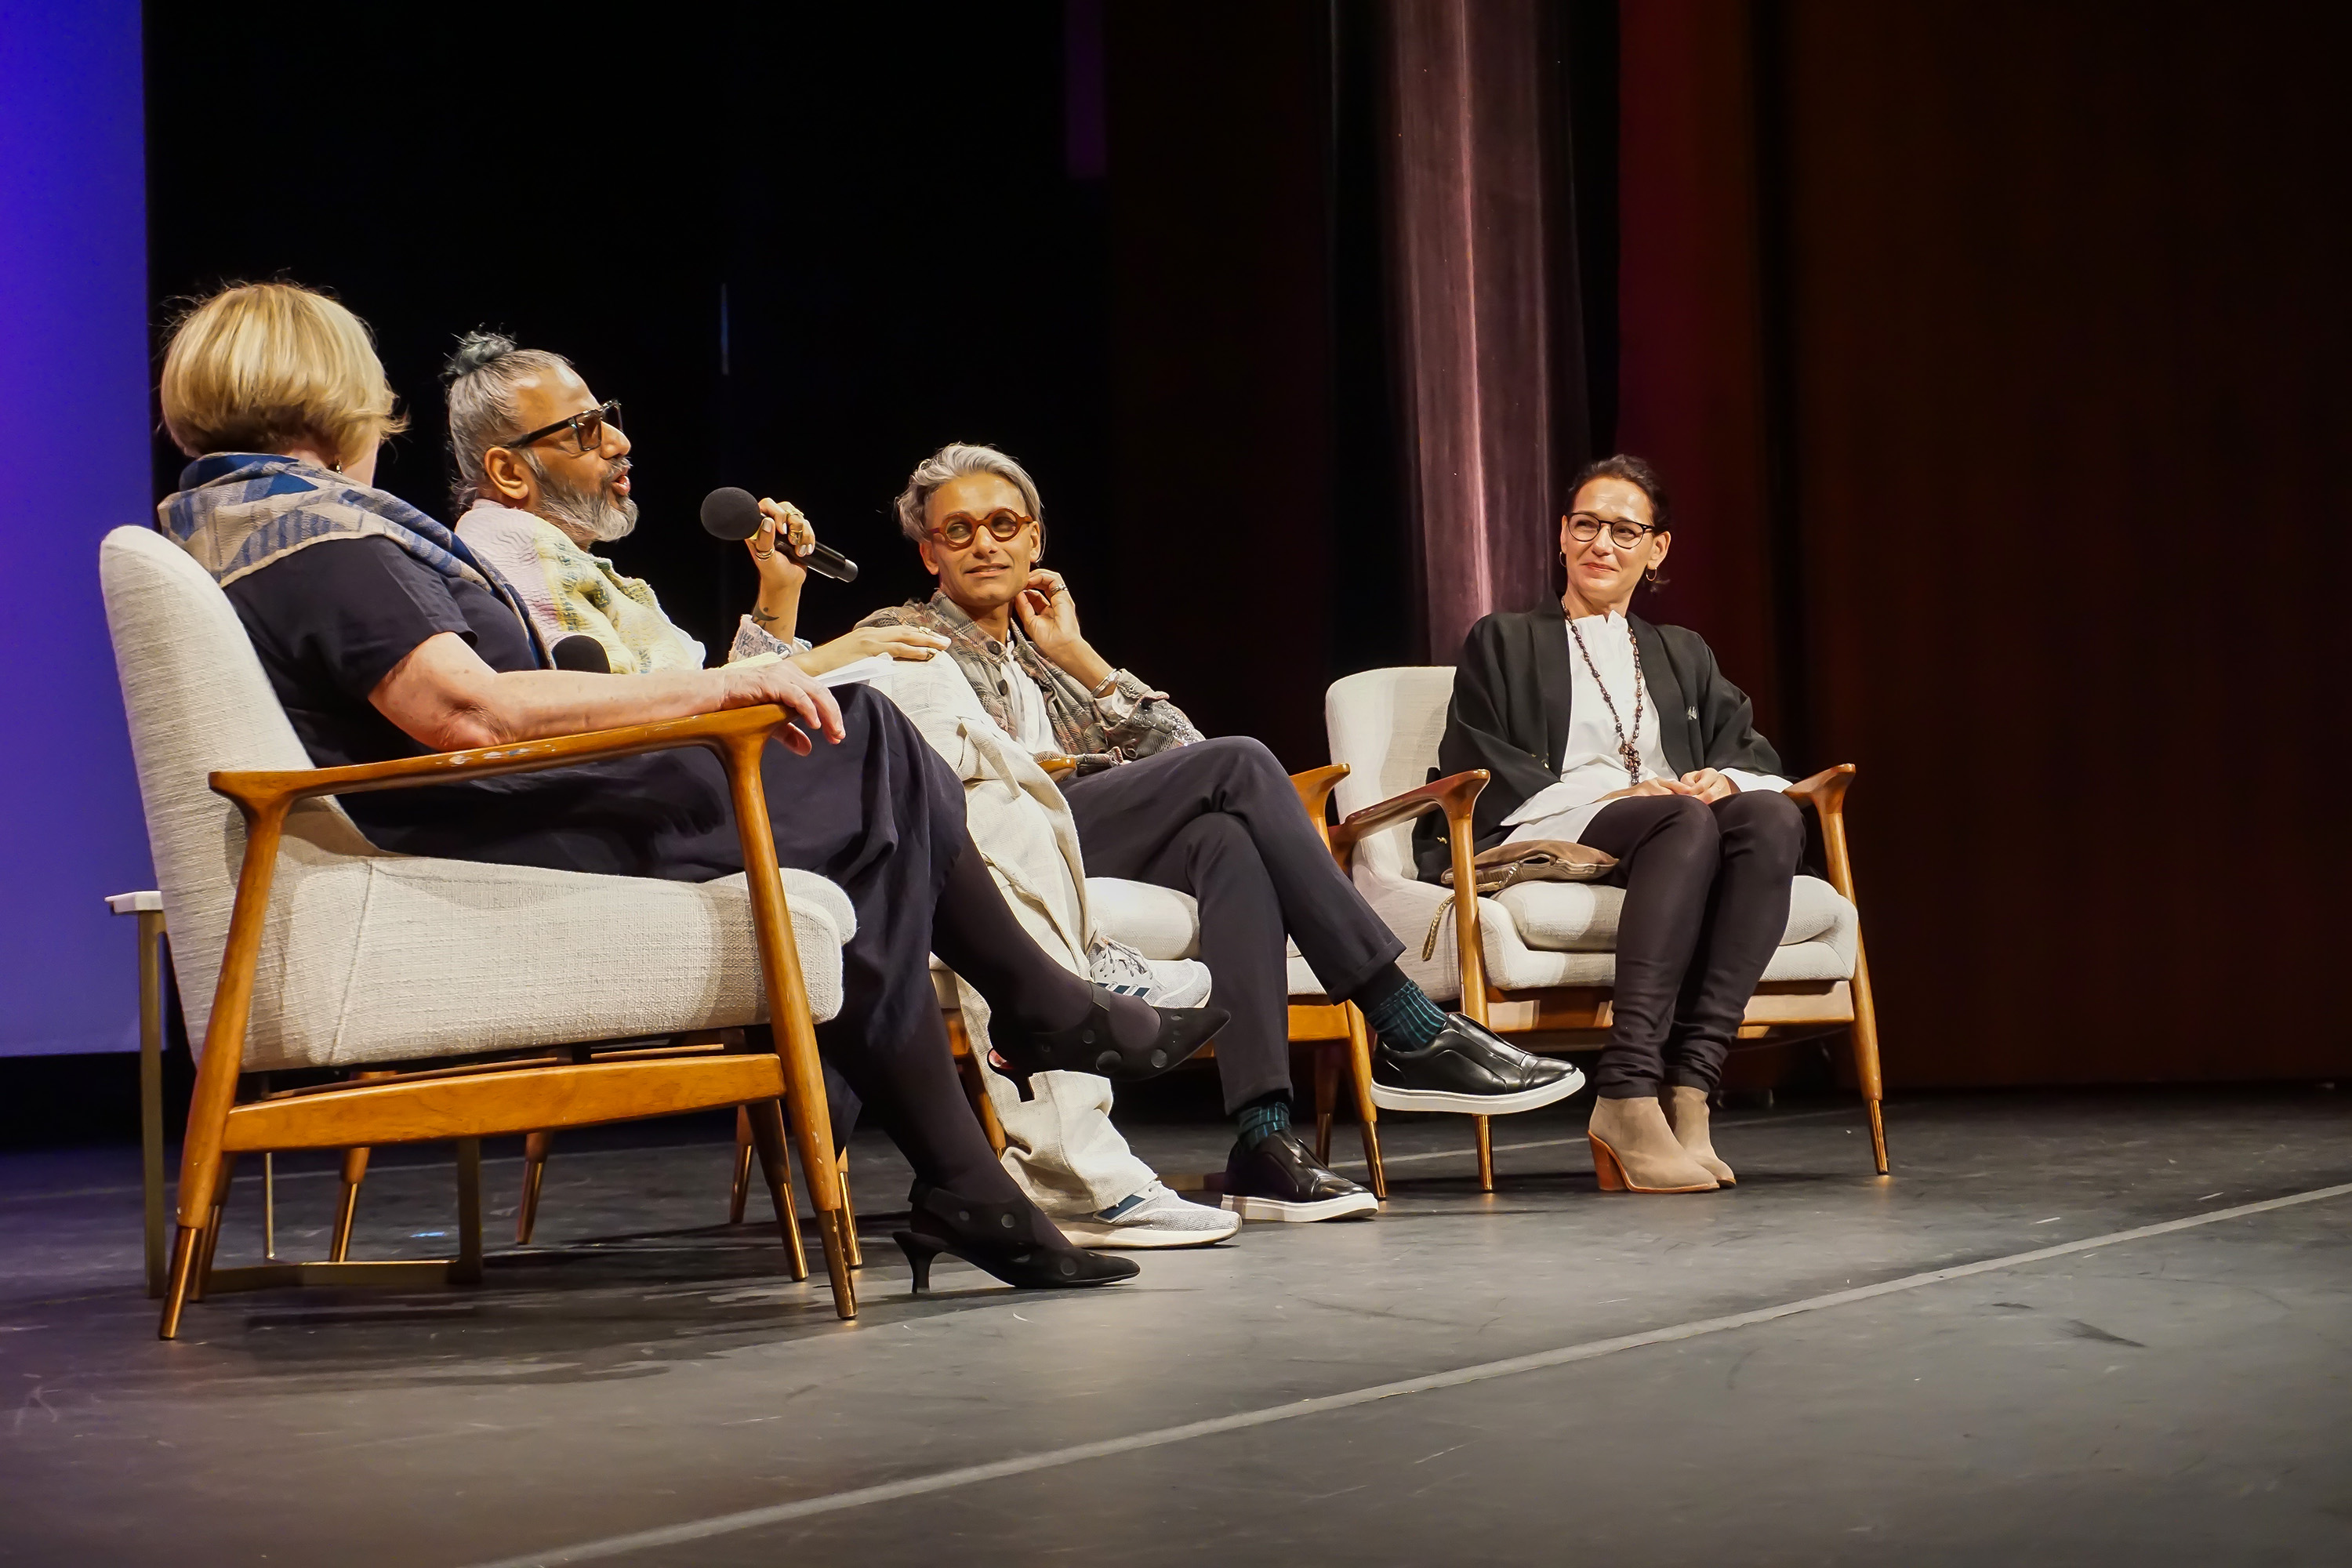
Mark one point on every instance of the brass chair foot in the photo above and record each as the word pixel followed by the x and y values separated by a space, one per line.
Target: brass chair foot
pixel 1485 1133
pixel 1877 1133
pixel 740 1193
pixel 848 1211
pixel 186 1242
pixel 835 1224
pixel 536 1146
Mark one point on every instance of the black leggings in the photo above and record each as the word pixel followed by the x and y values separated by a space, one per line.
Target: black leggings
pixel 1706 900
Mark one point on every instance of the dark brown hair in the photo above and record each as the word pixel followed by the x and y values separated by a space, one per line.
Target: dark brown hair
pixel 1634 471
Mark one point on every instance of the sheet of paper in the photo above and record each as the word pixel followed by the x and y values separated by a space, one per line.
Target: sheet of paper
pixel 859 672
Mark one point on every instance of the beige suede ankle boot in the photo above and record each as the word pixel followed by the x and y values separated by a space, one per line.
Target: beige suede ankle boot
pixel 1686 1109
pixel 1634 1151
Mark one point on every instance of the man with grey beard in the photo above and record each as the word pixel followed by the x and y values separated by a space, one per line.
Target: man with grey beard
pixel 544 477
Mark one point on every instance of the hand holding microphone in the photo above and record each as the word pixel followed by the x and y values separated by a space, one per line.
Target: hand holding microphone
pixel 732 513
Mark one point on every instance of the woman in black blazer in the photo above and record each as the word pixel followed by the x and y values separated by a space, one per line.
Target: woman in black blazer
pixel 1607 730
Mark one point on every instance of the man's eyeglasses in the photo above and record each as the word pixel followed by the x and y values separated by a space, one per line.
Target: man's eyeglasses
pixel 1584 528
pixel 959 530
pixel 587 429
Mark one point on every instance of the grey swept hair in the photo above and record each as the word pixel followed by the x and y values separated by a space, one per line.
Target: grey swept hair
pixel 953 461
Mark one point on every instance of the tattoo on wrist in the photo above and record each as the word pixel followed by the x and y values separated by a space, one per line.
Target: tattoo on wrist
pixel 764 618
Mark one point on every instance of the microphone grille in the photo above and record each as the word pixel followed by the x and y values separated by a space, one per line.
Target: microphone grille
pixel 730 513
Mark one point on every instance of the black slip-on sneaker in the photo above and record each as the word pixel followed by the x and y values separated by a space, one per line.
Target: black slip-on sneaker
pixel 1469 1068
pixel 1282 1179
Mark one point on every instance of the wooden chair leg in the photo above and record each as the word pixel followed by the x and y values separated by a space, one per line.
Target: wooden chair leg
pixel 975 1089
pixel 849 1210
pixel 1485 1131
pixel 788 1014
pixel 765 1124
pixel 1368 1115
pixel 356 1164
pixel 466 1268
pixel 536 1147
pixel 1865 1056
pixel 740 1192
pixel 1326 1093
pixel 213 1226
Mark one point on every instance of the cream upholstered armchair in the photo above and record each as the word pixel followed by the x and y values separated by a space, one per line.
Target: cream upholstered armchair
pixel 418 999
pixel 1541 955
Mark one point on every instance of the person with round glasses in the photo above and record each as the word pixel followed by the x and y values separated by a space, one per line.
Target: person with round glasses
pixel 1600 728
pixel 1154 801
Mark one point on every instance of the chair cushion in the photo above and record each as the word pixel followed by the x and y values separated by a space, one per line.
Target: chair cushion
pixel 1157 922
pixel 1582 917
pixel 1810 950
pixel 381 957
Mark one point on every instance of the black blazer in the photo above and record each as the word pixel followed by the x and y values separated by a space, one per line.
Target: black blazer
pixel 1509 715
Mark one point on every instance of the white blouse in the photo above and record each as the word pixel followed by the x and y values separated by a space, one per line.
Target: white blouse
pixel 1592 768
pixel 1033 726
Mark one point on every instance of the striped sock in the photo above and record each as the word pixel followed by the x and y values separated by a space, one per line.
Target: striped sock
pixel 1405 1019
pixel 1262 1118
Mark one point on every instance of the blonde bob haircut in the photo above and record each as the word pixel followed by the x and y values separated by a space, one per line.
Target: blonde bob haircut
pixel 262 366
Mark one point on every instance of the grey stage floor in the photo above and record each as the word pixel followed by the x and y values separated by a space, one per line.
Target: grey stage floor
pixel 1819 1366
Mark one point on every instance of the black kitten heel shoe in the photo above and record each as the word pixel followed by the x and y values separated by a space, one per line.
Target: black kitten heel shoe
pixel 1090 1045
pixel 998 1238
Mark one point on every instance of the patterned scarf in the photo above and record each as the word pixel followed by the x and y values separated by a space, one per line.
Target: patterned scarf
pixel 237 511
pixel 1133 722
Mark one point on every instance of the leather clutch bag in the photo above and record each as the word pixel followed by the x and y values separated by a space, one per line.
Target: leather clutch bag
pixel 1534 860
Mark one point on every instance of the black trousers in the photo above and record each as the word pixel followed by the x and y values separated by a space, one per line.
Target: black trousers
pixel 1219 820
pixel 1706 900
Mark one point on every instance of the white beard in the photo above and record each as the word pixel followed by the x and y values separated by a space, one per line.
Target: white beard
pixel 588 516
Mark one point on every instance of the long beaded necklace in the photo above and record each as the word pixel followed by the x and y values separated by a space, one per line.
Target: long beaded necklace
pixel 1628 751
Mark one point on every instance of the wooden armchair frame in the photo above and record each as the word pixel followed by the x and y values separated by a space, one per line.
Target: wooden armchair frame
pixel 1776 1004
pixel 467 1103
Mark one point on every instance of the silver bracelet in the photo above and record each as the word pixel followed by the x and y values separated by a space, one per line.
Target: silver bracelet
pixel 1109 684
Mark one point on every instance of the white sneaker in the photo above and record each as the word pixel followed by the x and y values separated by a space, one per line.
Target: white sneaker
pixel 1152 1217
pixel 1161 982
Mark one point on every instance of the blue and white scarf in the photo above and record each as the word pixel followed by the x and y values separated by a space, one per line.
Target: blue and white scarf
pixel 237 511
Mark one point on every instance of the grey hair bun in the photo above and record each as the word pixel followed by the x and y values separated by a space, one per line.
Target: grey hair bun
pixel 476 351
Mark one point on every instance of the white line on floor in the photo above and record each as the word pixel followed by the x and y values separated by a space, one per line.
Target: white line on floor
pixel 971 1475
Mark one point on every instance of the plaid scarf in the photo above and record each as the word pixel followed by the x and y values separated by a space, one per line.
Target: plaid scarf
pixel 237 511
pixel 1133 722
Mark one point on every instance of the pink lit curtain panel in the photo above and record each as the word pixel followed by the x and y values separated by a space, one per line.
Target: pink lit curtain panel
pixel 1469 181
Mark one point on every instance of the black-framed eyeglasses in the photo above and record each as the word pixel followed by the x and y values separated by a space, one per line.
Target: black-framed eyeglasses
pixel 1584 528
pixel 959 530
pixel 587 429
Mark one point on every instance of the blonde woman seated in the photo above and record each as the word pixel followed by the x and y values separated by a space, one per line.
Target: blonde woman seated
pixel 1601 728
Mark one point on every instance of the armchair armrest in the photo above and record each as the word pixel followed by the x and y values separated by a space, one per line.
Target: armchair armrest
pixel 259 791
pixel 1825 793
pixel 1315 786
pixel 1825 790
pixel 1455 797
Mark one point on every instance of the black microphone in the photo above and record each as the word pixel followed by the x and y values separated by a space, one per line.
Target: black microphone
pixel 581 652
pixel 730 513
